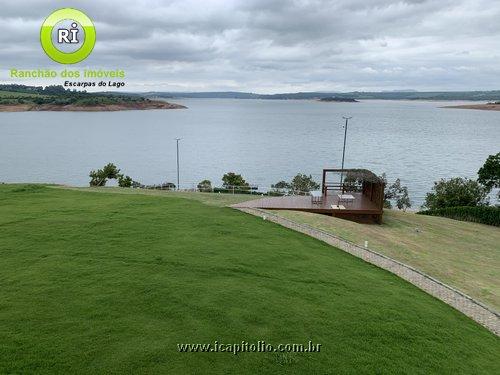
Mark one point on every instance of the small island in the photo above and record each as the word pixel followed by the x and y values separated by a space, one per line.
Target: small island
pixel 336 99
pixel 492 106
pixel 21 98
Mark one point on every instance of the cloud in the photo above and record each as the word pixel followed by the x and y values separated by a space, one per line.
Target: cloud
pixel 275 46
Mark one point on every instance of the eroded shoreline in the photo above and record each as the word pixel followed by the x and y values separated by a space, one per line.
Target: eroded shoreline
pixel 137 106
pixel 482 107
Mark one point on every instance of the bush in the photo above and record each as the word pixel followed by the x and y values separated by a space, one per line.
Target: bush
pixel 480 214
pixel 167 186
pixel 455 192
pixel 205 186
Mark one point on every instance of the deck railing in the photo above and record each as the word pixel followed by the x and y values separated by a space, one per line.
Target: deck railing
pixel 338 187
pixel 231 189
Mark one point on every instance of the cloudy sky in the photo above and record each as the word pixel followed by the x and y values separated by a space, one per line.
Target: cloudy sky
pixel 269 46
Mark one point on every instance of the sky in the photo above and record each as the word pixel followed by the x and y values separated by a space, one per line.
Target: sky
pixel 270 46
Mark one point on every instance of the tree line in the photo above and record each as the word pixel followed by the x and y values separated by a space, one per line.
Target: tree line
pixel 58 95
pixel 446 193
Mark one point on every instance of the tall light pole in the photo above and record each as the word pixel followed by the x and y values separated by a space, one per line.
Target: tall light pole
pixel 343 151
pixel 178 183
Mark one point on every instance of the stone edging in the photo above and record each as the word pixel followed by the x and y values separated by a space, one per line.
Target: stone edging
pixel 451 296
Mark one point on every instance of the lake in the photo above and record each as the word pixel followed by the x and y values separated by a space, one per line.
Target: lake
pixel 264 140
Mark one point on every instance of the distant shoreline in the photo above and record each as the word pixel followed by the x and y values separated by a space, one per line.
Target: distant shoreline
pixel 479 96
pixel 482 107
pixel 333 99
pixel 126 106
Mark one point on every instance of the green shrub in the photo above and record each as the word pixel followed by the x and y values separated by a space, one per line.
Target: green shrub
pixel 455 192
pixel 480 214
pixel 205 186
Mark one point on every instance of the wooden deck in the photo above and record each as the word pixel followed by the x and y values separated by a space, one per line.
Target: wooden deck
pixel 361 209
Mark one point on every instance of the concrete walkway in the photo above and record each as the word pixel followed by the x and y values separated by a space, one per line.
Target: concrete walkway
pixel 458 300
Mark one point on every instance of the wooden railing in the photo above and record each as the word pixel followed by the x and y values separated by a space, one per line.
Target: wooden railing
pixel 338 187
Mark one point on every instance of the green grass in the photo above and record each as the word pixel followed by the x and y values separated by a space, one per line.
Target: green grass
pixel 461 254
pixel 220 200
pixel 110 283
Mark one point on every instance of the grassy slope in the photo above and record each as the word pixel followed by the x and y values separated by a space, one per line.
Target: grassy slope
pixel 112 282
pixel 464 255
pixel 220 200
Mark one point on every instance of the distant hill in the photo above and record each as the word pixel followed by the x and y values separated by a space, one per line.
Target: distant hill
pixel 49 93
pixel 15 98
pixel 205 95
pixel 383 95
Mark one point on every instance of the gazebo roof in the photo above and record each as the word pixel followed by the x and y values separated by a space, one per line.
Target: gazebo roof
pixel 359 174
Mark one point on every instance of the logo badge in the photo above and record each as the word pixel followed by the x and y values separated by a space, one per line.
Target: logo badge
pixel 67 36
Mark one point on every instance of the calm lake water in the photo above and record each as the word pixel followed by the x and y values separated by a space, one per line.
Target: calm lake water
pixel 265 141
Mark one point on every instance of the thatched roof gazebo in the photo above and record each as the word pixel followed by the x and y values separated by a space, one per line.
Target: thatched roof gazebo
pixel 352 194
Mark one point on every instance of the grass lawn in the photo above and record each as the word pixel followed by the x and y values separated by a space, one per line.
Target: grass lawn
pixel 212 199
pixel 110 283
pixel 463 255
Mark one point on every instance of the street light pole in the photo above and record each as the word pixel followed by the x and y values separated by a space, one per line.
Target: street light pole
pixel 178 183
pixel 343 151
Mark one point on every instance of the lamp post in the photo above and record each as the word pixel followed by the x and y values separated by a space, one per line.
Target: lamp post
pixel 178 183
pixel 343 151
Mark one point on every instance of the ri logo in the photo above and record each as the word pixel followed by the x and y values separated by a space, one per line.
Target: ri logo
pixel 67 36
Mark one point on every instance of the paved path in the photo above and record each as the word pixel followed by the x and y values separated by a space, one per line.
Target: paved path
pixel 460 301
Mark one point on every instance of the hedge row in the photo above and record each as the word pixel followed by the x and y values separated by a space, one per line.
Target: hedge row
pixel 488 215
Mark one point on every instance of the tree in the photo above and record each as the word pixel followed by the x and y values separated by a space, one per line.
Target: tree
pixel 124 181
pixel 281 186
pixel 97 178
pixel 388 192
pixel 205 185
pixel 167 186
pixel 136 185
pixel 302 183
pixel 231 180
pixel 403 200
pixel 111 171
pixel 351 183
pixel 455 192
pixel 100 177
pixel 489 173
pixel 396 192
